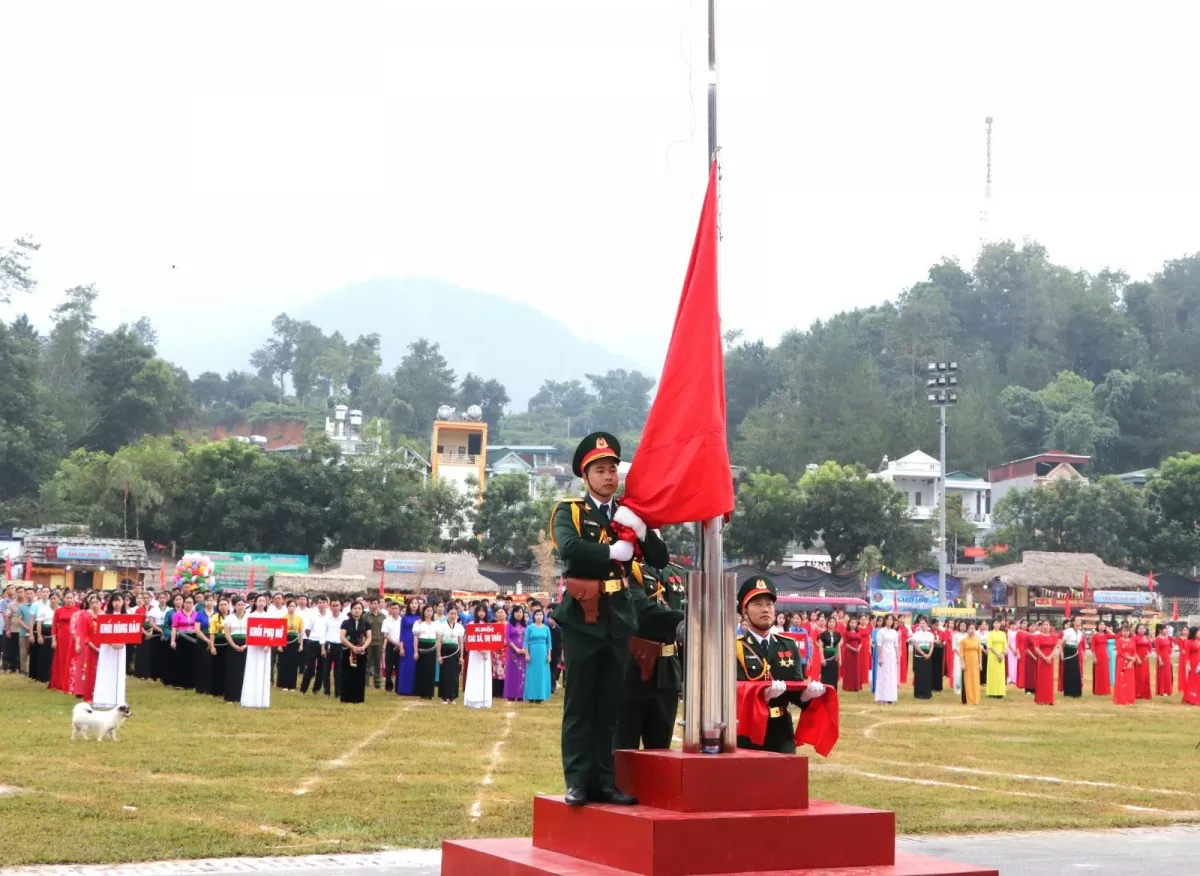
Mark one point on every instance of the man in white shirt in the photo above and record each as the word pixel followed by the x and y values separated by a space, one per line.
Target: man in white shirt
pixel 316 651
pixel 276 608
pixel 334 644
pixel 393 648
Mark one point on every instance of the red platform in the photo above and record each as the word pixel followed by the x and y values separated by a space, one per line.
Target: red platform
pixel 702 815
pixel 684 783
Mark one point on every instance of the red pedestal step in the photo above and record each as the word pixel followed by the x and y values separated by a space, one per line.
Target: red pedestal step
pixel 714 783
pixel 659 842
pixel 518 857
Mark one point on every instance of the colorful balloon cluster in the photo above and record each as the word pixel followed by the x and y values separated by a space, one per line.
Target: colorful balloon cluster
pixel 194 569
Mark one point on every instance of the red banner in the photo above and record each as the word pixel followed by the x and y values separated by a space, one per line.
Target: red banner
pixel 119 629
pixel 271 631
pixel 484 637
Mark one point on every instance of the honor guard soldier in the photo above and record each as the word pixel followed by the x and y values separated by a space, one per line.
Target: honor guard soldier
pixel 650 699
pixel 764 656
pixel 598 613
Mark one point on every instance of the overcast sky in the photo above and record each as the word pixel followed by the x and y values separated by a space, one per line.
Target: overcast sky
pixel 552 151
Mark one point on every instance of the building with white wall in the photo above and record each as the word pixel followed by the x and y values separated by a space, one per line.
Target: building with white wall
pixel 916 477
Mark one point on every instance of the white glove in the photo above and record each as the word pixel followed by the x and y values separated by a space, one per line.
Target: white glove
pixel 626 517
pixel 777 688
pixel 621 551
pixel 812 691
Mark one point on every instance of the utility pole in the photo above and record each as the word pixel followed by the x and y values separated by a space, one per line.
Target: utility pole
pixel 941 385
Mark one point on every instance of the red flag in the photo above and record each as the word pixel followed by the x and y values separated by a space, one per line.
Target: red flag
pixel 1087 588
pixel 818 726
pixel 381 573
pixel 1067 606
pixel 912 582
pixel 681 472
pixel 162 575
pixel 1175 609
pixel 1150 580
pixel 28 566
pixel 250 585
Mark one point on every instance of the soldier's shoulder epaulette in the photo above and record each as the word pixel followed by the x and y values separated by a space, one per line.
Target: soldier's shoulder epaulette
pixel 577 500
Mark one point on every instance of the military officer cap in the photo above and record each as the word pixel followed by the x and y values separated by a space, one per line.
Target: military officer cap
pixel 755 586
pixel 598 445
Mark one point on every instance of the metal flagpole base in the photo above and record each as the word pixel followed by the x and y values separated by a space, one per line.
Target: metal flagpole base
pixel 710 680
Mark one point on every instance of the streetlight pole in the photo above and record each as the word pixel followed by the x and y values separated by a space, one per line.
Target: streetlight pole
pixel 942 391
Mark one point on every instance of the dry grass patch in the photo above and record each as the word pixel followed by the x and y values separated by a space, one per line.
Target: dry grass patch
pixel 195 777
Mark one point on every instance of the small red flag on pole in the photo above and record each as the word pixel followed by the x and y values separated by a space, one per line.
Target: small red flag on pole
pixel 1087 588
pixel 381 574
pixel 250 585
pixel 912 582
pixel 1175 609
pixel 1150 580
pixel 162 575
pixel 681 473
pixel 1067 606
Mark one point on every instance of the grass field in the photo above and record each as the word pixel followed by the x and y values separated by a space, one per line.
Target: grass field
pixel 195 777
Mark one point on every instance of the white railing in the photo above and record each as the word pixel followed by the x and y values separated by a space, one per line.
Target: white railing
pixel 458 459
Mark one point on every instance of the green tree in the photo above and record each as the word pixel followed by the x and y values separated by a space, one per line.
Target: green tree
pixel 31 437
pixel 331 368
pixel 424 381
pixel 750 378
pixel 764 519
pixel 622 400
pixel 1107 518
pixel 490 395
pixel 14 268
pixel 570 398
pixel 365 361
pixel 277 357
pixel 131 391
pixel 845 509
pixel 509 520
pixel 1174 498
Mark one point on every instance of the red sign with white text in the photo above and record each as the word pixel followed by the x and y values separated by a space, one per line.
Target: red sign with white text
pixel 270 631
pixel 118 629
pixel 484 637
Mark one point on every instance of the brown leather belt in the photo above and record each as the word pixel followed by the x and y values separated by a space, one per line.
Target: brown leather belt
pixel 646 653
pixel 587 591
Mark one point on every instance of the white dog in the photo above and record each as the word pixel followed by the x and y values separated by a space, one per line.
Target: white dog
pixel 85 719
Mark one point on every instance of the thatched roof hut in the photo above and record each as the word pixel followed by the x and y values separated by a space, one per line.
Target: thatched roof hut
pixel 330 585
pixel 1061 570
pixel 414 571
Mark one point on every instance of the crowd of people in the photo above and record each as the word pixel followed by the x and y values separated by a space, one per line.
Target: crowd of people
pixel 981 659
pixel 333 646
pixel 338 647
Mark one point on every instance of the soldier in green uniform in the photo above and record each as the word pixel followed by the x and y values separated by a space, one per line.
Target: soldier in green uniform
pixel 762 655
pixel 650 699
pixel 598 613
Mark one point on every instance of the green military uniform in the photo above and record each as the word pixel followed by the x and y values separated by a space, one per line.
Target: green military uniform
pixel 648 708
pixel 597 653
pixel 776 658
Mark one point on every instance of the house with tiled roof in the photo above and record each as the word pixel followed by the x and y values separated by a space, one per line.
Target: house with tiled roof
pixel 86 563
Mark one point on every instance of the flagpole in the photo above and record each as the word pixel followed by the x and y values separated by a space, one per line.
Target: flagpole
pixel 710 688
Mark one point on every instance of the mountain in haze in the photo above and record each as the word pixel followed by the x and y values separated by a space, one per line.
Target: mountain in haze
pixel 491 336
